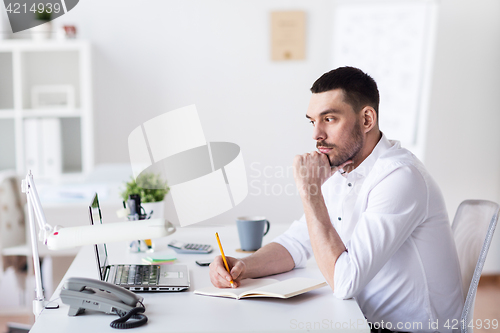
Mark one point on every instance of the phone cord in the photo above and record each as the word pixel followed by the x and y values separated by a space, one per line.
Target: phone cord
pixel 121 323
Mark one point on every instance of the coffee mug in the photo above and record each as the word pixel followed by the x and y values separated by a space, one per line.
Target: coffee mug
pixel 251 231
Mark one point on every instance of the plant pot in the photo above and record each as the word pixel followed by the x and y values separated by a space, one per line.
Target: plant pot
pixel 42 31
pixel 158 209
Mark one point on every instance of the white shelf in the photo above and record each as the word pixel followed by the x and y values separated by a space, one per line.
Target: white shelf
pixel 41 113
pixel 40 46
pixel 46 63
pixel 59 113
pixel 7 114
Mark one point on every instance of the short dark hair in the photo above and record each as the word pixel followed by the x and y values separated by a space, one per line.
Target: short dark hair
pixel 359 88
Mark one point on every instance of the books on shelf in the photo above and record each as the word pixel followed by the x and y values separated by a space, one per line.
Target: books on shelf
pixel 42 146
pixel 265 288
pixel 51 147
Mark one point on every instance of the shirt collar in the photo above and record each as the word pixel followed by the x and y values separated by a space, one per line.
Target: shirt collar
pixel 365 167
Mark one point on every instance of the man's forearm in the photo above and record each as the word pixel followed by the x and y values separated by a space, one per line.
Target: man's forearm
pixel 325 241
pixel 272 258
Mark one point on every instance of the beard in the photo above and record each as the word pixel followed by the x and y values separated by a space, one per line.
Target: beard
pixel 340 155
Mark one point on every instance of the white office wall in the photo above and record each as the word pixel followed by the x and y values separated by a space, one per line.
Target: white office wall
pixel 151 57
pixel 463 143
pixel 154 56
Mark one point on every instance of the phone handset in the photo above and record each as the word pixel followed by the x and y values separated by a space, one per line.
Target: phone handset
pixel 82 284
pixel 84 293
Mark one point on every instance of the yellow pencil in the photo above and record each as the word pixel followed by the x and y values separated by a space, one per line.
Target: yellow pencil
pixel 224 258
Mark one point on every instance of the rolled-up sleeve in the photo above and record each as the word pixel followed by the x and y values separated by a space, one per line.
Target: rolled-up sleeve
pixel 394 208
pixel 342 276
pixel 296 241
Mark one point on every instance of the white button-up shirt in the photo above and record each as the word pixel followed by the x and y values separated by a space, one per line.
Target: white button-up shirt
pixel 401 264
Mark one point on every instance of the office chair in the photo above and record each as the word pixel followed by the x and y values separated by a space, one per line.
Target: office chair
pixel 13 233
pixel 473 228
pixel 12 224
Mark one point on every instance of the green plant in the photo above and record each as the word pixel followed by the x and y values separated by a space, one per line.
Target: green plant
pixel 149 186
pixel 43 15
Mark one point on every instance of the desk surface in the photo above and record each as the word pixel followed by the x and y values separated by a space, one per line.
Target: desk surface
pixel 317 310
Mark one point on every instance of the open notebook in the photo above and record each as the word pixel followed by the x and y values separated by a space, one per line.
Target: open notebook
pixel 265 288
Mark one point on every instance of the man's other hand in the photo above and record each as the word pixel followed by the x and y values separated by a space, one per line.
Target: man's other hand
pixel 219 275
pixel 311 170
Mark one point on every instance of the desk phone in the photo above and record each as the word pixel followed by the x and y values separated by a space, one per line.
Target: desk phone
pixel 84 293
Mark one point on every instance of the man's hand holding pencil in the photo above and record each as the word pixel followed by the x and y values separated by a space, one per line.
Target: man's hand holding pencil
pixel 220 276
pixel 225 271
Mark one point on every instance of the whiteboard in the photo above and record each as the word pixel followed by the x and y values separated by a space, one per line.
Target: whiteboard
pixel 393 43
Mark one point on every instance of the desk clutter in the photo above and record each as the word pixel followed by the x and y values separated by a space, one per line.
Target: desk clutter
pixel 166 311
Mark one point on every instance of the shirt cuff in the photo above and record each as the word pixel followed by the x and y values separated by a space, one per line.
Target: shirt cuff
pixel 295 249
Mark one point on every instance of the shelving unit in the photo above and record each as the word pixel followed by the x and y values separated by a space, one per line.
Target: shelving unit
pixel 25 64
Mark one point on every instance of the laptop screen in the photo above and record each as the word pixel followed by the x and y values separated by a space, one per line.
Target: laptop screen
pixel 101 253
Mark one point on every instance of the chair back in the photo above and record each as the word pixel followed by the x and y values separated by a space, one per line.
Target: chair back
pixel 473 228
pixel 12 222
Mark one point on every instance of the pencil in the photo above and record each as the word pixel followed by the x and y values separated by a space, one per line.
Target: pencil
pixel 224 258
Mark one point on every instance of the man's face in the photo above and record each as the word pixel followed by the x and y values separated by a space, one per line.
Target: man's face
pixel 337 129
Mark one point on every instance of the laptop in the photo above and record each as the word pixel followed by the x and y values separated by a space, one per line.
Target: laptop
pixel 136 277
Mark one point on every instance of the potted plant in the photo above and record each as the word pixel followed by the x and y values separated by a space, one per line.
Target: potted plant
pixel 152 190
pixel 43 28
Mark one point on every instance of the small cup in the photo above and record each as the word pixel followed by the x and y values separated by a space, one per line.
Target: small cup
pixel 251 231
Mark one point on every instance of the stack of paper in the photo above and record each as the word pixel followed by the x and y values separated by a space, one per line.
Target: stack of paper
pixel 160 258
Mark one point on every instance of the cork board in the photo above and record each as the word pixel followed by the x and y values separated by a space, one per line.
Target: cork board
pixel 288 35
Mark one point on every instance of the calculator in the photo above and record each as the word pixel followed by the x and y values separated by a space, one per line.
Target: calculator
pixel 180 247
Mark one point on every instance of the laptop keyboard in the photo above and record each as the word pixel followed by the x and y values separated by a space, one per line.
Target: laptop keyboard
pixel 129 275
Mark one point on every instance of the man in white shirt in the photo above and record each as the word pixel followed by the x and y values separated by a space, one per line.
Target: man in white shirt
pixel 373 217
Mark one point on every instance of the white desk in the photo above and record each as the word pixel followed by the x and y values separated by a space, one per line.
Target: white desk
pixel 317 310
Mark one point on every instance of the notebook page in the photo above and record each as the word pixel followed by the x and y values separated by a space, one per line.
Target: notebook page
pixel 246 285
pixel 288 288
